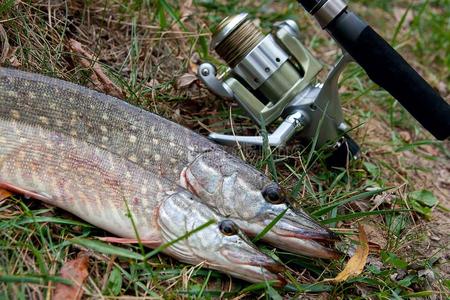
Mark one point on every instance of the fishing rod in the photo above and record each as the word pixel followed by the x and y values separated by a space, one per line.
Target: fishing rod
pixel 273 76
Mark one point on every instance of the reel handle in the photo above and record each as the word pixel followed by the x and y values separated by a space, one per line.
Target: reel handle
pixel 385 66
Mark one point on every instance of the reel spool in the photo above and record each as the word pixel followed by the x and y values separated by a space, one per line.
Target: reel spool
pixel 273 76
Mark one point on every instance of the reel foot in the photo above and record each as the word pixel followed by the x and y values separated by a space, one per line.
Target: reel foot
pixel 345 150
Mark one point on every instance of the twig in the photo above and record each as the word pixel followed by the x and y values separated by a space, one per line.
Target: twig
pixel 99 77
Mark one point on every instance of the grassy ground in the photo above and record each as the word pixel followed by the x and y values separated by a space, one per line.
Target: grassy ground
pixel 144 50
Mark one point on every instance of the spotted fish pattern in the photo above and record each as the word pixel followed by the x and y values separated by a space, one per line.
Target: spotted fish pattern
pixel 114 125
pixel 50 127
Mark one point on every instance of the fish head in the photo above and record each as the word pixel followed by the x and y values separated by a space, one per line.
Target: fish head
pixel 248 197
pixel 221 245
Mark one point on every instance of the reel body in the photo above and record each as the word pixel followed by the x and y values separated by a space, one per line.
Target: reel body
pixel 273 77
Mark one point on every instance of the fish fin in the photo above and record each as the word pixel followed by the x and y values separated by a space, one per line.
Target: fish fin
pixel 119 240
pixel 4 194
pixel 18 190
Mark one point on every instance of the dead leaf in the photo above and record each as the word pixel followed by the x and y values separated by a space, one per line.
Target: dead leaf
pixel 99 77
pixel 76 271
pixel 194 63
pixel 376 236
pixel 13 61
pixel 4 194
pixel 356 263
pixel 383 198
pixel 405 135
pixel 186 9
pixel 442 87
pixel 186 80
pixel 362 206
pixel 431 150
pixel 153 83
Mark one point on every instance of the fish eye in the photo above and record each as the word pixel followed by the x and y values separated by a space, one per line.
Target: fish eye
pixel 273 194
pixel 228 227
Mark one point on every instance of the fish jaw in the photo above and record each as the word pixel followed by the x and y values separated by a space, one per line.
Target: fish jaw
pixel 298 233
pixel 233 254
pixel 255 274
pixel 295 232
pixel 257 266
pixel 301 246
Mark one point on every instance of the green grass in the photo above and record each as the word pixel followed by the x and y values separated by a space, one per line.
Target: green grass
pixel 144 47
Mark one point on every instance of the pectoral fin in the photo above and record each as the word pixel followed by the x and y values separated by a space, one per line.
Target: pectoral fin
pixel 26 193
pixel 4 194
pixel 118 240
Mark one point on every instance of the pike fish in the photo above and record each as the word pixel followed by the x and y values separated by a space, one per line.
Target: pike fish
pixel 79 174
pixel 225 183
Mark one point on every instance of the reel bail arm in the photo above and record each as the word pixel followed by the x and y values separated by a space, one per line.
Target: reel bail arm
pixel 278 138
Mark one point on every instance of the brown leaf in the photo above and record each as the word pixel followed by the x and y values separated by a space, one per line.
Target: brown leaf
pixel 377 239
pixel 76 271
pixel 194 63
pixel 356 263
pixel 14 62
pixel 186 80
pixel 442 87
pixel 186 9
pixel 99 77
pixel 405 135
pixel 430 149
pixel 4 194
pixel 153 83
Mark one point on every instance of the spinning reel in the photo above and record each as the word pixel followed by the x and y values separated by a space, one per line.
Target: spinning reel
pixel 273 76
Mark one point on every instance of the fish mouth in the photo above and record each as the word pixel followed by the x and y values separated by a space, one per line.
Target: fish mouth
pixel 254 267
pixel 298 233
pixel 257 274
pixel 324 236
pixel 313 245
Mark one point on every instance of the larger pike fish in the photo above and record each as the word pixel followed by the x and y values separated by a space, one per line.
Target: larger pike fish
pixel 153 144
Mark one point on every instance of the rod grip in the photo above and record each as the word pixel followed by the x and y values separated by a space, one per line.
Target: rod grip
pixel 387 68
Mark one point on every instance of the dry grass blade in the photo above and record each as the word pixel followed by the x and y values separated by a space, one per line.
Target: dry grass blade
pixel 4 45
pixel 75 270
